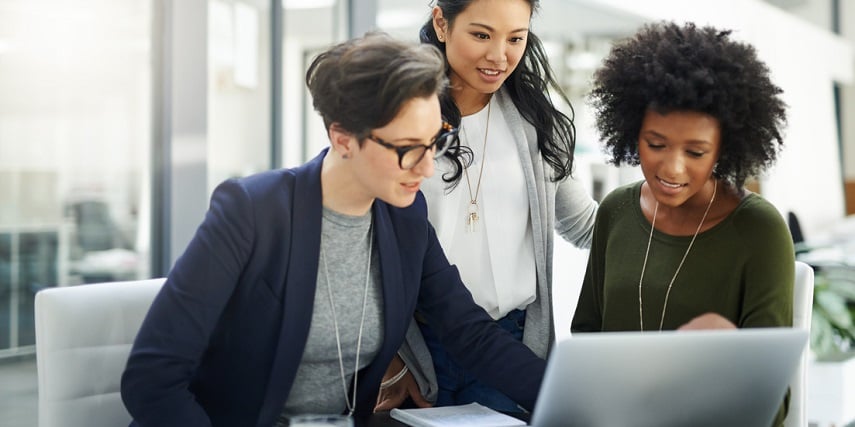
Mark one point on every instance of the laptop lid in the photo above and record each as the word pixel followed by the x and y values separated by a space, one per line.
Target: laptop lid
pixel 670 378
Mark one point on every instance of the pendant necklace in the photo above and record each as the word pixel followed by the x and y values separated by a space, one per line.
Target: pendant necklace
pixel 647 252
pixel 351 404
pixel 472 209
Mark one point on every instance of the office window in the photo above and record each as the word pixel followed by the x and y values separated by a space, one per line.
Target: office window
pixel 403 19
pixel 75 137
pixel 309 27
pixel 239 106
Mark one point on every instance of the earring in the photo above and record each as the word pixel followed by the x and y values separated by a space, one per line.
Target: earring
pixel 345 156
pixel 440 38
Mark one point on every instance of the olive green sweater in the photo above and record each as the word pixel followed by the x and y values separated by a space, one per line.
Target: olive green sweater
pixel 742 268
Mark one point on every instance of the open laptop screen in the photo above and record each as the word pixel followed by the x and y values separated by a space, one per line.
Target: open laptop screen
pixel 670 378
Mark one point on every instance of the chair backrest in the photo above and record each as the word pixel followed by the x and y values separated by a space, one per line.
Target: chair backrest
pixel 83 337
pixel 802 309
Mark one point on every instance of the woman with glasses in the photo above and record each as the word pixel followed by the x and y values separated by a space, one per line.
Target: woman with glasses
pixel 496 218
pixel 297 289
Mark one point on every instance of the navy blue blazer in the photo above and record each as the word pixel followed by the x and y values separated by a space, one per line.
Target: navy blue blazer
pixel 223 339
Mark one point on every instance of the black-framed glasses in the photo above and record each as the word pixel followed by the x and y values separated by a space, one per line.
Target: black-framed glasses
pixel 410 155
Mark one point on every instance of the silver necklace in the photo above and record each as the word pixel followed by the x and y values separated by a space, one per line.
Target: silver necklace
pixel 351 405
pixel 472 210
pixel 647 252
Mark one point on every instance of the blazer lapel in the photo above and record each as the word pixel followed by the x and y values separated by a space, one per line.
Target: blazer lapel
pixel 300 283
pixel 396 318
pixel 391 275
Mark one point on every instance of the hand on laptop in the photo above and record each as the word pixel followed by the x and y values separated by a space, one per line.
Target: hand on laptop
pixel 393 395
pixel 707 321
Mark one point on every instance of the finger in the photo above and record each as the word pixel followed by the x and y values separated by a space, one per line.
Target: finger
pixel 390 398
pixel 380 406
pixel 388 403
pixel 417 397
pixel 380 399
pixel 420 401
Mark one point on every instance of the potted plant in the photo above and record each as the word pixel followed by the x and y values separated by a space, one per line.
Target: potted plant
pixel 833 317
pixel 831 382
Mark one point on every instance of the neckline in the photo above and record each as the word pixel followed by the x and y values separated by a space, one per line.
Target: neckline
pixel 665 237
pixel 480 123
pixel 479 113
pixel 345 219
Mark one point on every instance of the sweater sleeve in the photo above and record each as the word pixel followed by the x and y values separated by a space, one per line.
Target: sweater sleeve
pixel 575 212
pixel 416 355
pixel 589 308
pixel 770 267
pixel 769 275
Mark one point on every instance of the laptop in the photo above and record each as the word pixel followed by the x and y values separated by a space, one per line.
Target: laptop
pixel 670 378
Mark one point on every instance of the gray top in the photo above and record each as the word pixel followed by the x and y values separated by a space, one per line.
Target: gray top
pixel 318 387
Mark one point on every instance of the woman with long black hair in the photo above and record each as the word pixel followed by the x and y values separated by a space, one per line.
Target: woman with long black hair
pixel 496 206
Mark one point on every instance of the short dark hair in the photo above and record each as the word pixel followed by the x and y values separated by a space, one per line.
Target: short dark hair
pixel 362 83
pixel 668 67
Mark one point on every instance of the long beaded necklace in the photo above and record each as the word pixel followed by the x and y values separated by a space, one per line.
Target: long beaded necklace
pixel 351 405
pixel 647 252
pixel 472 211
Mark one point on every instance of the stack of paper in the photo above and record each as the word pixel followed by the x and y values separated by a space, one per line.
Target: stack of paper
pixel 471 415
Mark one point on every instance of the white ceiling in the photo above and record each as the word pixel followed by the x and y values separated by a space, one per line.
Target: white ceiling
pixel 556 19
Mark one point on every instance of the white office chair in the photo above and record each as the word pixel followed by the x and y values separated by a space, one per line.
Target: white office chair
pixel 83 337
pixel 802 308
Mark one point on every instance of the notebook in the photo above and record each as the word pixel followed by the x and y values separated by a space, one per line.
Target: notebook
pixel 471 415
pixel 662 379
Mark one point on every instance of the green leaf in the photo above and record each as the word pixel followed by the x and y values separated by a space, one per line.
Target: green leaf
pixel 844 288
pixel 833 307
pixel 833 317
pixel 821 335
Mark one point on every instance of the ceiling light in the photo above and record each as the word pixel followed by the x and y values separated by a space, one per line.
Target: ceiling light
pixel 308 4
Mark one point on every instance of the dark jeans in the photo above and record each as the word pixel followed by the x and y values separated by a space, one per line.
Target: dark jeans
pixel 457 386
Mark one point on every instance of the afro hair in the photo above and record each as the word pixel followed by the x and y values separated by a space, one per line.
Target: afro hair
pixel 668 67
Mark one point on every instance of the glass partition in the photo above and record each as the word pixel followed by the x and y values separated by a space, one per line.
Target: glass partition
pixel 75 139
pixel 239 89
pixel 309 27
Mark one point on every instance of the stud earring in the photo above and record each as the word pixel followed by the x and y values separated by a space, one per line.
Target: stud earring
pixel 440 38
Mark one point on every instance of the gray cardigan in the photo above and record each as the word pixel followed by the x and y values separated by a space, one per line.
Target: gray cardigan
pixel 564 206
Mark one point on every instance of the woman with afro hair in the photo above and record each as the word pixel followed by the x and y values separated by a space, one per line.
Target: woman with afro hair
pixel 688 247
